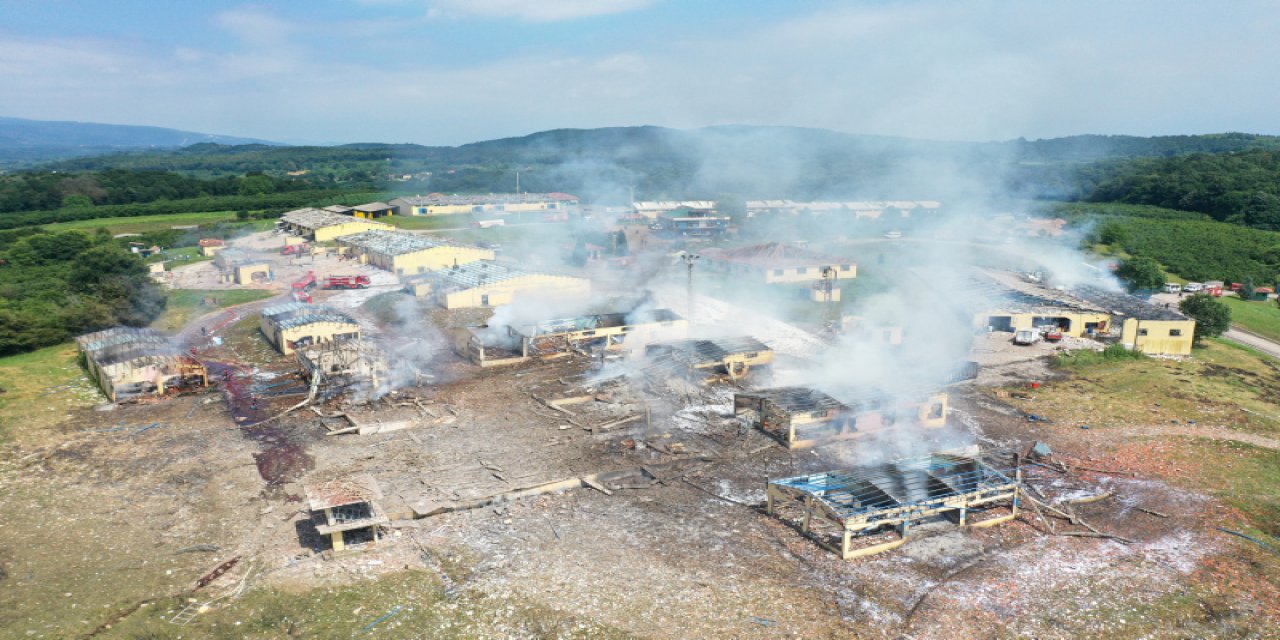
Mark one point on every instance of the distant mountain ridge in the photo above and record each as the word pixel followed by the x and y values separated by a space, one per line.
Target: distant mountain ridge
pixel 659 162
pixel 33 140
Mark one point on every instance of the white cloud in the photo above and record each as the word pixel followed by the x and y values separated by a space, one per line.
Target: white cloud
pixel 540 10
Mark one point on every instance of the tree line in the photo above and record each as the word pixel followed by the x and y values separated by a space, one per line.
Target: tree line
pixel 49 190
pixel 54 286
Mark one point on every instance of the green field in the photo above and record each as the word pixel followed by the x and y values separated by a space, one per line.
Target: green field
pixel 184 304
pixel 1262 318
pixel 418 223
pixel 40 387
pixel 142 224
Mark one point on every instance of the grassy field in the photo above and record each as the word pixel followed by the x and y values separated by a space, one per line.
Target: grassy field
pixel 184 304
pixel 1262 318
pixel 40 387
pixel 413 602
pixel 142 224
pixel 1173 415
pixel 420 223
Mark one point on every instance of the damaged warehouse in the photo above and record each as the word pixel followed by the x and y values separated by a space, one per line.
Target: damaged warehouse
pixel 709 359
pixel 129 364
pixel 494 345
pixel 486 283
pixel 800 417
pixel 294 325
pixel 840 510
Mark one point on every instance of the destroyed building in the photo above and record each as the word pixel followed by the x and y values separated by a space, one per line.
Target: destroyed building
pixel 344 366
pixel 852 512
pixel 407 254
pixel 347 509
pixel 129 364
pixel 240 267
pixel 800 417
pixel 294 325
pixel 708 359
pixel 318 225
pixel 496 345
pixel 486 283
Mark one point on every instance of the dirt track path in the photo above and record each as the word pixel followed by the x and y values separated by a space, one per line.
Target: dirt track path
pixel 1211 433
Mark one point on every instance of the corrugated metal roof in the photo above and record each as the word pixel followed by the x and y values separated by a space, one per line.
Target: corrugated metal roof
pixel 491 198
pixel 312 218
pixel 392 243
pixel 296 314
pixel 481 272
pixel 706 351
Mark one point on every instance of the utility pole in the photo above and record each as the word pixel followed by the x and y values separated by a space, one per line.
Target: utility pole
pixel 689 259
pixel 830 310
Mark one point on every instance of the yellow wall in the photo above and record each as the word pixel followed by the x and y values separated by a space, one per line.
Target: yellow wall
pixel 424 260
pixel 244 273
pixel 325 234
pixel 209 251
pixel 1159 339
pixel 504 292
pixel 318 331
pixel 1023 321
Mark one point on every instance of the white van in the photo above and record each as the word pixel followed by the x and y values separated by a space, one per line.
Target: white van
pixel 1026 337
pixel 1193 287
pixel 1172 287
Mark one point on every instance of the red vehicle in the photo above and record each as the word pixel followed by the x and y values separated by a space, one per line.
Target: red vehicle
pixel 295 249
pixel 1053 335
pixel 305 283
pixel 346 282
pixel 302 295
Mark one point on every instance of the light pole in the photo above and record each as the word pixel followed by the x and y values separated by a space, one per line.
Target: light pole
pixel 689 259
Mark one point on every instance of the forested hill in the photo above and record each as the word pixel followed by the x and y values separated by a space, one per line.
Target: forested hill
pixel 23 140
pixel 657 162
pixel 1233 187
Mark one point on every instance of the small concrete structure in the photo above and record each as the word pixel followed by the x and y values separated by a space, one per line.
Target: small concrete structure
pixel 348 510
pixel 497 345
pixel 241 268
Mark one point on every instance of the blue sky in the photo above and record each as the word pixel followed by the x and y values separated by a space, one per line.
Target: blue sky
pixel 455 71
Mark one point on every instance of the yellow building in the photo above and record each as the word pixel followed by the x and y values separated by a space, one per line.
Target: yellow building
pixel 323 226
pixel 1077 323
pixel 493 204
pixel 406 253
pixel 800 417
pixel 373 210
pixel 489 284
pixel 294 325
pixel 777 263
pixel 242 268
pixel 1158 336
pixel 128 364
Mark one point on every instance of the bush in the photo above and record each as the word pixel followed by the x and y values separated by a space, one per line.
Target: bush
pixel 1088 357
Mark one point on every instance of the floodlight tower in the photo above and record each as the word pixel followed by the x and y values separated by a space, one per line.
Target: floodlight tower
pixel 689 259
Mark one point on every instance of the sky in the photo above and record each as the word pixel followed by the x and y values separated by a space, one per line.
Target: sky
pixel 446 72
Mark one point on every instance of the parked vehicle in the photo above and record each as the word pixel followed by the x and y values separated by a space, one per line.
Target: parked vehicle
pixel 346 282
pixel 485 224
pixel 295 249
pixel 1052 334
pixel 1172 287
pixel 305 283
pixel 893 235
pixel 1214 288
pixel 1026 337
pixel 1193 287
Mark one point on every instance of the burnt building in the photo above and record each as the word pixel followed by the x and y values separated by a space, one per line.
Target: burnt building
pixel 800 417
